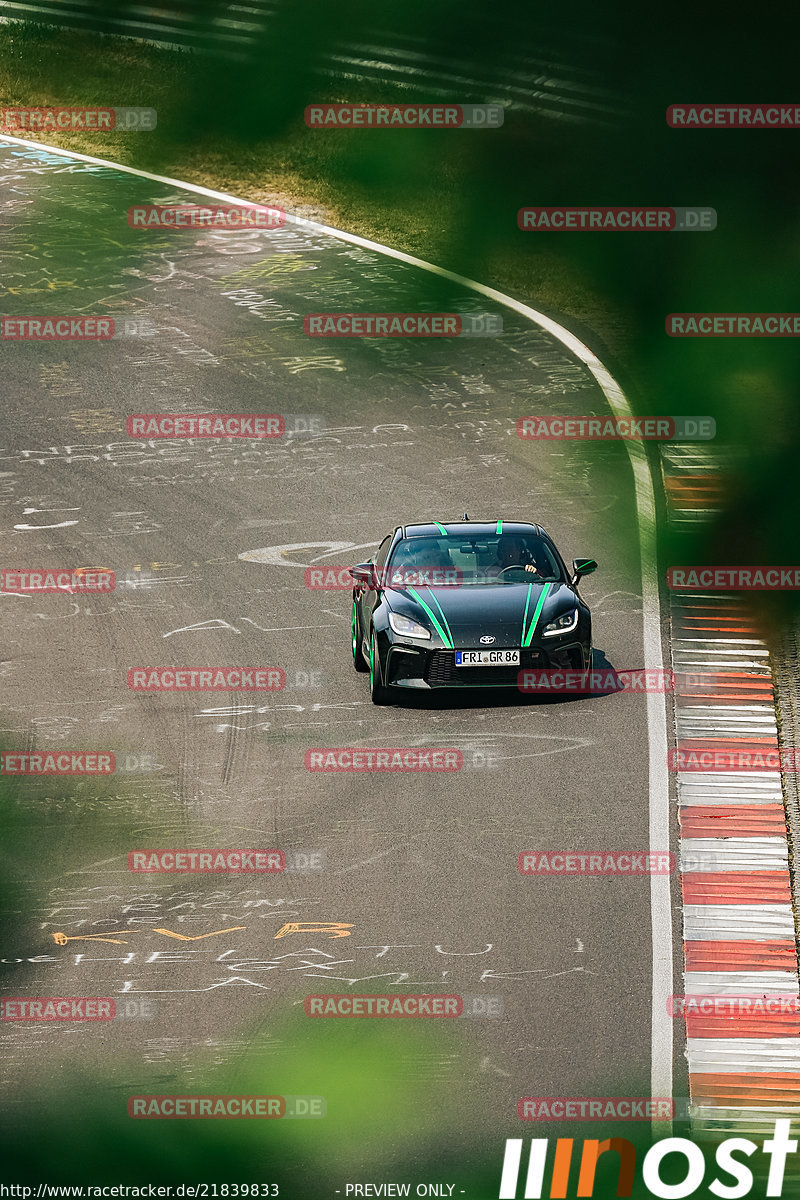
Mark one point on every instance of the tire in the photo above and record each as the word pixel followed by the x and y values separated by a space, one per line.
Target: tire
pixel 379 693
pixel 358 658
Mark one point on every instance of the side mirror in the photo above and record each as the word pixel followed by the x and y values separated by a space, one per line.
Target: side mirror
pixel 581 567
pixel 364 574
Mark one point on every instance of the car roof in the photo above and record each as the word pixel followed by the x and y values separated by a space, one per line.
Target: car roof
pixel 481 529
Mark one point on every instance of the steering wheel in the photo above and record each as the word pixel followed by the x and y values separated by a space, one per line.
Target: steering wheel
pixel 518 567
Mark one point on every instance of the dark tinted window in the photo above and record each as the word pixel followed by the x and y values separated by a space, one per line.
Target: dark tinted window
pixel 383 550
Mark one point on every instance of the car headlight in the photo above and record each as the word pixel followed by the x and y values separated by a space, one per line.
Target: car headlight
pixel 406 627
pixel 564 624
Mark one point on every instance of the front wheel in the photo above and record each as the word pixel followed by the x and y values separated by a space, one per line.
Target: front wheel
pixel 358 657
pixel 379 693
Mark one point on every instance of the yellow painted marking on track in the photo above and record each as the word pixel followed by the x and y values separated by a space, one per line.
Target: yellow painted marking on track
pixel 61 939
pixel 182 937
pixel 340 928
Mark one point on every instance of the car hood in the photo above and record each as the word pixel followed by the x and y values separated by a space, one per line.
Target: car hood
pixel 503 611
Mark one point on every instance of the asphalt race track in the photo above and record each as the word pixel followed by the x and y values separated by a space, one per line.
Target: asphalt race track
pixel 209 539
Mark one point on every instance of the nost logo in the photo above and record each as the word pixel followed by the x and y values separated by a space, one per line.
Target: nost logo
pixel 692 1156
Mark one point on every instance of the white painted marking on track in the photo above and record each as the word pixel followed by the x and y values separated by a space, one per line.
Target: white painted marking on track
pixel 275 556
pixel 59 525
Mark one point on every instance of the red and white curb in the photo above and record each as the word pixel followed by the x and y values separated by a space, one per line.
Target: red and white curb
pixel 693 482
pixel 739 929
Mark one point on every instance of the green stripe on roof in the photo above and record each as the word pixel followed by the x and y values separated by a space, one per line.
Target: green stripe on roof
pixel 441 528
pixel 545 593
pixel 499 527
pixel 445 638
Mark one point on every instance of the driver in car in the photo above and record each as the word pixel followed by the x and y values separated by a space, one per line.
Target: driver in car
pixel 421 561
pixel 511 552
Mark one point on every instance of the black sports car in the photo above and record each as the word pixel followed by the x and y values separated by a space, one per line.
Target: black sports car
pixel 467 604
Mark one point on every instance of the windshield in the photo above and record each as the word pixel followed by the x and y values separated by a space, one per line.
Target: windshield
pixel 508 558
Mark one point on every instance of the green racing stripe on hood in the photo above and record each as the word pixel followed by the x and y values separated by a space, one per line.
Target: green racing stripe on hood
pixel 435 599
pixel 446 638
pixel 548 587
pixel 525 614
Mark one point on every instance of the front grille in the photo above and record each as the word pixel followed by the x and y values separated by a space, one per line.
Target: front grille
pixel 442 671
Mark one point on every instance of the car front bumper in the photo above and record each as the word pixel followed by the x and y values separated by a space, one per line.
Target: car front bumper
pixel 417 667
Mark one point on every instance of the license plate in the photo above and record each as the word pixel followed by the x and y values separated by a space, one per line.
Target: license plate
pixel 487 658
